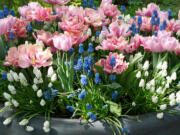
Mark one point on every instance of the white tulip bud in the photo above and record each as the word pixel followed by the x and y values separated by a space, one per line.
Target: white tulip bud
pixel 133 104
pixel 146 65
pixel 174 76
pixel 29 128
pixel 35 88
pixel 141 83
pixel 163 107
pixel 10 77
pixel 12 89
pixel 138 75
pixel 7 121
pixel 172 102
pixel 39 93
pixel 46 130
pixel 15 76
pixel 36 81
pixel 160 115
pixel 146 73
pixel 23 79
pixel 159 66
pixel 15 103
pixel 23 122
pixel 7 104
pixel 53 78
pixel 37 73
pixel 164 65
pixel 178 94
pixel 159 90
pixel 172 96
pixel 46 124
pixel 43 102
pixel 154 99
pixel 50 71
pixel 50 85
pixel 6 96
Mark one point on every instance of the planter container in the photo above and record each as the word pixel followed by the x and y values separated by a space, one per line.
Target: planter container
pixel 148 125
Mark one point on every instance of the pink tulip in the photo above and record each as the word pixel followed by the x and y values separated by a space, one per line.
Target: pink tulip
pixel 40 14
pixel 6 24
pixel 163 42
pixel 177 50
pixel 93 17
pixel 120 29
pixel 79 37
pixel 113 43
pixel 12 58
pixel 120 66
pixel 62 42
pixel 59 2
pixel 176 26
pixel 109 9
pixel 28 55
pixel 30 7
pixel 61 10
pixel 134 44
pixel 73 20
pixel 46 37
pixel 19 28
pixel 148 11
pixel 35 12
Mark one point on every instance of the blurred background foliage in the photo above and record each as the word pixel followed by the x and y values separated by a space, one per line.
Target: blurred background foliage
pixel 131 5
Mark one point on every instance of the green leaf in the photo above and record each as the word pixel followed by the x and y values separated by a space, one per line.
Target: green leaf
pixel 175 68
pixel 2 54
pixel 113 85
pixel 115 108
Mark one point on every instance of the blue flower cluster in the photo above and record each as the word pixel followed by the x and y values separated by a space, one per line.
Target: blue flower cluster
pixel 29 28
pixel 114 95
pixel 97 79
pixel 84 80
pixel 81 96
pixel 113 61
pixel 86 65
pixel 5 12
pixel 92 116
pixel 50 94
pixel 90 3
pixel 88 106
pixel 70 108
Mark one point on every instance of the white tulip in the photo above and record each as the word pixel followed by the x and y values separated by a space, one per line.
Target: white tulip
pixel 141 83
pixel 7 121
pixel 6 96
pixel 15 103
pixel 42 102
pixel 23 122
pixel 154 99
pixel 46 124
pixel 50 71
pixel 138 75
pixel 34 86
pixel 10 77
pixel 146 73
pixel 39 93
pixel 163 107
pixel 29 128
pixel 53 78
pixel 146 65
pixel 160 115
pixel 37 73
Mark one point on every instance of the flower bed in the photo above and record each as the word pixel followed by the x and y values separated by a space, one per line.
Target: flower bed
pixel 90 64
